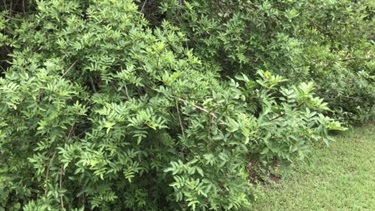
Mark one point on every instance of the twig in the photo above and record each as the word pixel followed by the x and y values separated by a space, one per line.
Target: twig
pixel 60 184
pixel 126 89
pixel 47 173
pixel 11 8
pixel 180 120
pixel 23 7
pixel 200 108
pixel 283 114
pixel 70 133
pixel 143 5
pixel 5 4
pixel 126 92
pixel 92 84
pixel 353 58
pixel 71 66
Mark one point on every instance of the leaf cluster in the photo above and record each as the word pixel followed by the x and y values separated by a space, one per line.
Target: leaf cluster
pixel 329 42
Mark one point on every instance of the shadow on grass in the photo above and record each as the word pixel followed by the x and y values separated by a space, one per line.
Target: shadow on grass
pixel 338 177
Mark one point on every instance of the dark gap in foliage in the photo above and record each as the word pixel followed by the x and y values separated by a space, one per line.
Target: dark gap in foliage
pixel 12 10
pixel 150 10
pixel 5 61
pixel 14 7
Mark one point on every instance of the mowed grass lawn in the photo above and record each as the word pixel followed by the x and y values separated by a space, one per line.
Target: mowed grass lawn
pixel 340 177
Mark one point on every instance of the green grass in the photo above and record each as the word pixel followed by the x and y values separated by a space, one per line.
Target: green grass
pixel 340 177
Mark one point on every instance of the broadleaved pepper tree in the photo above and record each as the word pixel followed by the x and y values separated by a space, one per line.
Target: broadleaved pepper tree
pixel 104 106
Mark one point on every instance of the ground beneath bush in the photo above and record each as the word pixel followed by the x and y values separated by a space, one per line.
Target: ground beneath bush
pixel 341 177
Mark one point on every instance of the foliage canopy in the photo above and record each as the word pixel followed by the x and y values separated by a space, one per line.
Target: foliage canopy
pixel 106 105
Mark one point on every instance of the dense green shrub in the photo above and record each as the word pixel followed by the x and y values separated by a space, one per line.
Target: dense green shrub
pixel 325 41
pixel 103 109
pixel 340 56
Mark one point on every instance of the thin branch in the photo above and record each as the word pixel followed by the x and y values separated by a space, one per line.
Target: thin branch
pixel 7 49
pixel 283 114
pixel 92 84
pixel 11 8
pixel 126 89
pixel 354 58
pixel 126 92
pixel 70 133
pixel 47 173
pixel 60 184
pixel 23 7
pixel 143 5
pixel 71 66
pixel 179 119
pixel 5 4
pixel 200 108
